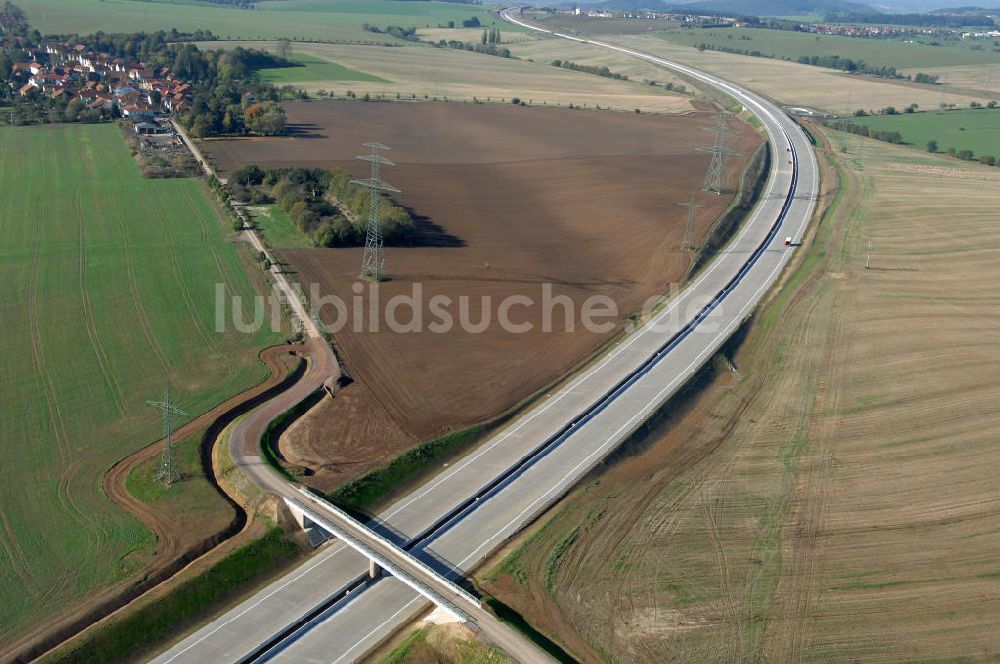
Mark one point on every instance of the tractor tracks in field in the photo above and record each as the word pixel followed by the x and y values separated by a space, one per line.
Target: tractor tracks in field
pixel 56 421
pixel 173 552
pixel 179 279
pixel 138 302
pixel 117 396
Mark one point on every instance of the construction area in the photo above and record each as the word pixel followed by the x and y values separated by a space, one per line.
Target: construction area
pixel 507 200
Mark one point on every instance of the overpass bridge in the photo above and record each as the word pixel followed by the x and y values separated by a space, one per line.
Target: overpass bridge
pixel 468 511
pixel 384 555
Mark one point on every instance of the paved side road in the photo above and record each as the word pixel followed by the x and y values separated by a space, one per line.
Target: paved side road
pixel 577 426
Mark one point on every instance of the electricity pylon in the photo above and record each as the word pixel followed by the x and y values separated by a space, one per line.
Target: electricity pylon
pixel 373 264
pixel 689 230
pixel 717 168
pixel 168 472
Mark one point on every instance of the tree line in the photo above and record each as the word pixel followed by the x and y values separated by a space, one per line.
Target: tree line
pixel 407 34
pixel 485 49
pixel 829 61
pixel 897 138
pixel 864 130
pixel 590 69
pixel 325 206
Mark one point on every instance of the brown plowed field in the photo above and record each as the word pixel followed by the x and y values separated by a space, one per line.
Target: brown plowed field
pixel 514 198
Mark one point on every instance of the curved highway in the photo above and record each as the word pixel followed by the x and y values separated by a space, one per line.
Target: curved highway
pixel 323 612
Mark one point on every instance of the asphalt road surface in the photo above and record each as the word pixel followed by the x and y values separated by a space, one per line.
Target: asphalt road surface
pixel 320 613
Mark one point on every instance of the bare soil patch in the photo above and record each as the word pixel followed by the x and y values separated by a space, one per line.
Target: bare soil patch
pixel 511 199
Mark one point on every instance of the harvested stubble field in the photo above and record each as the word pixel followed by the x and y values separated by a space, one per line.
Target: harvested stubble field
pixel 834 499
pixel 789 44
pixel 981 81
pixel 109 286
pixel 545 50
pixel 514 198
pixel 803 85
pixel 452 74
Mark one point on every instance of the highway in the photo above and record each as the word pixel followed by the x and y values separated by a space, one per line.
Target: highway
pixel 320 613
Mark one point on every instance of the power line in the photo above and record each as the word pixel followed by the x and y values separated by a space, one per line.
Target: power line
pixel 373 264
pixel 689 230
pixel 716 175
pixel 168 472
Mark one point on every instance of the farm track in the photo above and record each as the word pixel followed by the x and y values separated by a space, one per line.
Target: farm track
pixel 173 552
pixel 161 525
pixel 92 316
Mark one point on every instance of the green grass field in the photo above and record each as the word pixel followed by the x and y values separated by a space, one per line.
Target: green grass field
pixel 129 637
pixel 278 230
pixel 315 69
pixel 791 45
pixel 327 20
pixel 974 129
pixel 109 295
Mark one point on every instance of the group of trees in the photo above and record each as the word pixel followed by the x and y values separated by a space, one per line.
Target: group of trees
pixel 676 87
pixel 964 155
pixel 486 49
pixel 870 132
pixel 491 36
pixel 848 65
pixel 12 19
pixel 829 61
pixel 267 118
pixel 897 138
pixel 408 34
pixel 36 108
pixel 590 69
pixel 325 206
pixel 228 98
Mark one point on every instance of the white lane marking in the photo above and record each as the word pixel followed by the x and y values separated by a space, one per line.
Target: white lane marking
pixel 752 302
pixel 260 601
pixel 371 633
pixel 696 362
pixel 645 330
pixel 651 405
pixel 649 328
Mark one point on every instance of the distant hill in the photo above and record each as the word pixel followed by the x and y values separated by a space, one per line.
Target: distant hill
pixel 965 11
pixel 735 7
pixel 779 7
pixel 904 6
pixel 785 7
